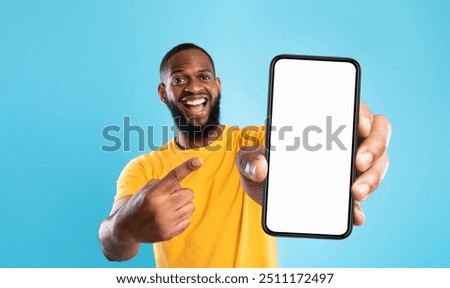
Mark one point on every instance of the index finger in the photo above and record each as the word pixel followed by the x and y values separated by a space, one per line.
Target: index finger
pixel 176 175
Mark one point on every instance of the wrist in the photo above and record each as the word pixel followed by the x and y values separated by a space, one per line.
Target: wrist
pixel 120 232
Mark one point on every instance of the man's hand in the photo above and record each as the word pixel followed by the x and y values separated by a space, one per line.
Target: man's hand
pixel 372 161
pixel 157 212
pixel 252 166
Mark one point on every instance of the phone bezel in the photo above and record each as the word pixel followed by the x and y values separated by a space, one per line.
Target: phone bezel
pixel 354 143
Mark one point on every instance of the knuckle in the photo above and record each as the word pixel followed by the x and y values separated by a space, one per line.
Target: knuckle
pixel 365 113
pixel 379 145
pixel 375 178
pixel 177 197
pixel 153 204
pixel 382 118
pixel 152 183
pixel 388 124
pixel 384 121
pixel 186 212
pixel 173 176
pixel 382 146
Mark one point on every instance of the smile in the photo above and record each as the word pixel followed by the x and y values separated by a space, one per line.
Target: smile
pixel 194 102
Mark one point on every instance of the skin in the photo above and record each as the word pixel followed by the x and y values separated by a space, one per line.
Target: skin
pixel 191 76
pixel 161 209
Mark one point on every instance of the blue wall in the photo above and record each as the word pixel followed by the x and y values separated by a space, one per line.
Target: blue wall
pixel 68 69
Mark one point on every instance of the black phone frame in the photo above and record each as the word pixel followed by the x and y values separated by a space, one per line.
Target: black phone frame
pixel 354 143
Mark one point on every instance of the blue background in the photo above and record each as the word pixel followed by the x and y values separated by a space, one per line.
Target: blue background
pixel 70 68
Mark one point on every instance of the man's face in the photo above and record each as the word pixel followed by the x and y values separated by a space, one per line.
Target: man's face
pixel 191 90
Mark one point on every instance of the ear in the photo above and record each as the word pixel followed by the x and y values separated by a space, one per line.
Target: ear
pixel 218 84
pixel 162 92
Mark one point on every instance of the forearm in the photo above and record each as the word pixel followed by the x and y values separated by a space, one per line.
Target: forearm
pixel 114 248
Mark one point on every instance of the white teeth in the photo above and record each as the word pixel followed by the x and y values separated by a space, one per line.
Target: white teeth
pixel 195 102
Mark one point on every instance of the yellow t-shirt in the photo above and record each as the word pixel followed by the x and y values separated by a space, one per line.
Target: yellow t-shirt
pixel 225 229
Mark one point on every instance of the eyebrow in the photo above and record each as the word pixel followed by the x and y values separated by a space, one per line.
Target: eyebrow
pixel 200 70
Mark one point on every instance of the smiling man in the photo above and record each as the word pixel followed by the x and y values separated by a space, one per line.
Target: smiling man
pixel 198 197
pixel 191 90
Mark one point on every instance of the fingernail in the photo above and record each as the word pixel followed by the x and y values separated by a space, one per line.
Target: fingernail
pixel 250 170
pixel 363 190
pixel 197 162
pixel 366 159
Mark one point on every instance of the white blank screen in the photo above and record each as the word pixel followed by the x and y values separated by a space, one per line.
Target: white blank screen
pixel 308 191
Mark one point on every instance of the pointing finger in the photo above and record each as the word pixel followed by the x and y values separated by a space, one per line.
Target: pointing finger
pixel 175 176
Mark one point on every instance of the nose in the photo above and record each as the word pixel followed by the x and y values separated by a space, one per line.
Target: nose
pixel 194 86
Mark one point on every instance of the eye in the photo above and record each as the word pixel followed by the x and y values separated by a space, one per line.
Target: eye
pixel 205 77
pixel 178 80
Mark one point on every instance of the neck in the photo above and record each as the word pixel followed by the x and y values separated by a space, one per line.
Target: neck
pixel 185 143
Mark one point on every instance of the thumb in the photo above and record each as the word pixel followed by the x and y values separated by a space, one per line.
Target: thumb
pixel 176 175
pixel 252 164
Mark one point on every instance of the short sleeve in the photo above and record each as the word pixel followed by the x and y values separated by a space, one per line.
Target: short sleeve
pixel 131 179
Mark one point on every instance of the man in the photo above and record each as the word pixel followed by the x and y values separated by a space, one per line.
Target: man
pixel 198 198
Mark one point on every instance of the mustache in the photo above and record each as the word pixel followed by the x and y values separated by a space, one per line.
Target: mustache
pixel 189 93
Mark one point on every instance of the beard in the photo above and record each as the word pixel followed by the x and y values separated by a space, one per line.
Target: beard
pixel 196 132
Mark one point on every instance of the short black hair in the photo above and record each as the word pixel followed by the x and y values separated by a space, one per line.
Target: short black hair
pixel 179 48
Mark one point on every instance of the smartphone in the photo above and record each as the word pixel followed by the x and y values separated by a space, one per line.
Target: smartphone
pixel 311 139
